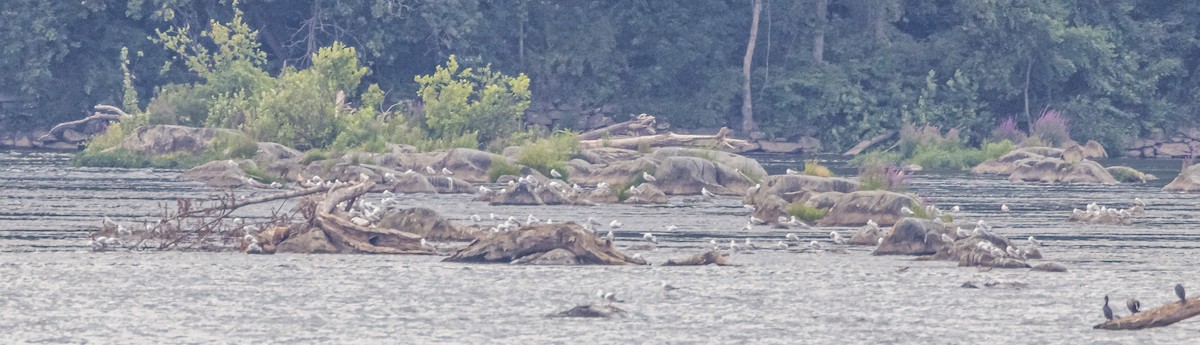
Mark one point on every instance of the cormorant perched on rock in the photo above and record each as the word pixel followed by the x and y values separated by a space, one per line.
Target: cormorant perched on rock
pixel 1107 311
pixel 1179 292
pixel 1133 305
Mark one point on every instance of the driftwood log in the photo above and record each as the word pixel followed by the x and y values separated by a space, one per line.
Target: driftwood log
pixel 638 126
pixel 532 242
pixel 80 130
pixel 865 144
pixel 361 239
pixel 720 141
pixel 1158 317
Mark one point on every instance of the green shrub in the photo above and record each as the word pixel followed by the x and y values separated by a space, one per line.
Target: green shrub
pixel 501 167
pixel 461 101
pixel 806 213
pixel 814 168
pixel 550 153
pixel 313 156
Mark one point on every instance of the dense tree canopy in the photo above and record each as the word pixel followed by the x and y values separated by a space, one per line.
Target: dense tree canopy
pixel 839 70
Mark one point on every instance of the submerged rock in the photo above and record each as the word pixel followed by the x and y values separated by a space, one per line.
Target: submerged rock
pixel 222 174
pixel 708 258
pixel 591 311
pixel 857 208
pixel 310 242
pixel 913 236
pixel 578 246
pixel 1058 170
pixel 1187 181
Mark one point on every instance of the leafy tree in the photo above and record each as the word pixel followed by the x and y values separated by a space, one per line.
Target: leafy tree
pixel 479 101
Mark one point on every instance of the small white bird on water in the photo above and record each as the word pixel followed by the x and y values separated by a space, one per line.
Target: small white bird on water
pixel 955 208
pixel 748 227
pixel 814 245
pixel 757 221
pixel 1004 208
pixel 781 245
pixel 1034 241
pixel 671 227
pixel 792 237
pixel 649 178
pixel 792 172
pixel 476 218
pixel 614 224
pixel 750 245
pixel 837 238
pixel 733 246
pixel 649 237
pixel 493 216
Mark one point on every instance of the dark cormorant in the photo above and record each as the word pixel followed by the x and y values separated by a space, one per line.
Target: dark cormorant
pixel 1107 311
pixel 1179 292
pixel 1133 305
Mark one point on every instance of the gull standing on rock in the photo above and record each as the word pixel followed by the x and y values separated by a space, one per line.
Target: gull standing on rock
pixel 906 211
pixel 555 174
pixel 649 178
pixel 447 171
pixel 429 169
pixel 610 236
pixel 1034 241
pixel 704 191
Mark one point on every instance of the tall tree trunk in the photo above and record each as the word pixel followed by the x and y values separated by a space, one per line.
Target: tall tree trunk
pixel 1028 118
pixel 819 34
pixel 748 124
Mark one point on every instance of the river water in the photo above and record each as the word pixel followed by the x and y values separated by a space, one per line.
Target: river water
pixel 53 290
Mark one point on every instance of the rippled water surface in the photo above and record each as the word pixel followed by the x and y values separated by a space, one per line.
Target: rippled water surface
pixel 54 291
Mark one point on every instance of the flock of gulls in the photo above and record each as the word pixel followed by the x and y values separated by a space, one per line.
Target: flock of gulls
pixel 365 213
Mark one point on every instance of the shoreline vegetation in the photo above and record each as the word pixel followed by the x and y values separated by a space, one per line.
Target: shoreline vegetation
pixel 846 72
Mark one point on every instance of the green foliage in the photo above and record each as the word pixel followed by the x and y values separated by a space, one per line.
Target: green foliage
pixel 927 147
pixel 501 167
pixel 463 101
pixel 814 168
pixel 550 153
pixel 806 213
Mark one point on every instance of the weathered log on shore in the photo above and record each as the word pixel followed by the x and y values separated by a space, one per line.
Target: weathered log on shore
pixel 865 144
pixel 347 235
pixel 640 125
pixel 81 130
pixel 720 140
pixel 1165 315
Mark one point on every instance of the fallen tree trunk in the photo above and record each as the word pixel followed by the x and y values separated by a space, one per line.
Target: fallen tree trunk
pixel 344 233
pixel 80 128
pixel 865 144
pixel 639 126
pixel 1158 317
pixel 720 141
